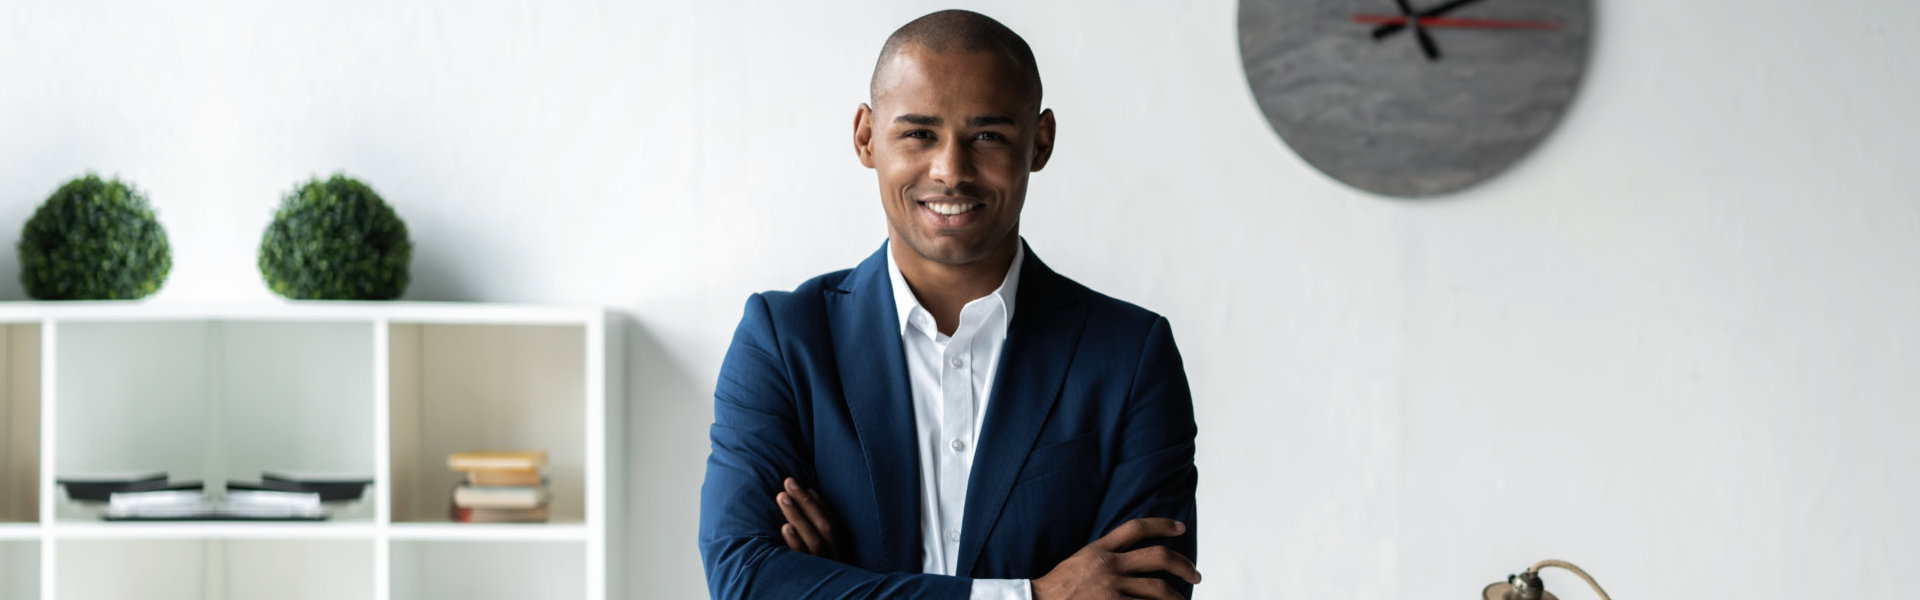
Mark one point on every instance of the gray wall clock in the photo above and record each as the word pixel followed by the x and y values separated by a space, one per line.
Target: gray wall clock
pixel 1414 98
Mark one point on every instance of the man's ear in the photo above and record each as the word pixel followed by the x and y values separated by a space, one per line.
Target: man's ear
pixel 863 134
pixel 1043 140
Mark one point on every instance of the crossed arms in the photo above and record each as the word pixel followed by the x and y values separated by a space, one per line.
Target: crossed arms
pixel 756 546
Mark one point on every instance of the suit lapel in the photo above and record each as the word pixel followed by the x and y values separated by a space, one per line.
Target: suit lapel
pixel 1040 343
pixel 873 377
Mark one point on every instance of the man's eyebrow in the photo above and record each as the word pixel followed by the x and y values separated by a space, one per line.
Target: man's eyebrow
pixel 933 121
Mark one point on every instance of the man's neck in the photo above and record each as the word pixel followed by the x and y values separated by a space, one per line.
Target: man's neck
pixel 944 289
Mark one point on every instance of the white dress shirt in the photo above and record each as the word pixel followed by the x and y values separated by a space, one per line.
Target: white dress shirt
pixel 951 377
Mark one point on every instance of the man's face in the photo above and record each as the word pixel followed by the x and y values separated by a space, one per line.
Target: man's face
pixel 953 137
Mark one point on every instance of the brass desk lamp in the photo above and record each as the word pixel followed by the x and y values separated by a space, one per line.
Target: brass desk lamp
pixel 1526 585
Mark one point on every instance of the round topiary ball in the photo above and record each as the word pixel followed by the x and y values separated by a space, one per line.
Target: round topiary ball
pixel 94 239
pixel 335 240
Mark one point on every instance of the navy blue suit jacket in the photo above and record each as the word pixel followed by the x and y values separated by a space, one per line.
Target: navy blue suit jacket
pixel 1089 424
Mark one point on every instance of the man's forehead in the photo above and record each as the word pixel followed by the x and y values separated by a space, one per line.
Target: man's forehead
pixel 920 80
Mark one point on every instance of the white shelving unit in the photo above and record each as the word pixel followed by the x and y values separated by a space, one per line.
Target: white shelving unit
pixel 380 389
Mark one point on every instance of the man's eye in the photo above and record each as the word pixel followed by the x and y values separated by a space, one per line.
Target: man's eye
pixel 988 136
pixel 919 134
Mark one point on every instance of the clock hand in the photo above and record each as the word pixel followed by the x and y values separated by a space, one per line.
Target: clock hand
pixel 1426 43
pixel 1405 9
pixel 1412 17
pixel 1427 46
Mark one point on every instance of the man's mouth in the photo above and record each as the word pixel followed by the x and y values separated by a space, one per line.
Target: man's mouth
pixel 951 208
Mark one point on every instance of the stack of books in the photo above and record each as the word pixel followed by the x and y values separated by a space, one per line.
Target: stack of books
pixel 501 486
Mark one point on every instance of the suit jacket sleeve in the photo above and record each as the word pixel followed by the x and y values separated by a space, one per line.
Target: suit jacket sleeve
pixel 756 444
pixel 1154 475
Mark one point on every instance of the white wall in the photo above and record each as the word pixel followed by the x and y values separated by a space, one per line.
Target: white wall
pixel 1675 346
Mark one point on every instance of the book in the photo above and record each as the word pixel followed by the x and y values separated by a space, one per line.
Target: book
pixel 196 505
pixel 501 515
pixel 305 501
pixel 518 460
pixel 476 496
pixel 98 486
pixel 332 488
pixel 509 477
pixel 211 510
pixel 124 477
pixel 147 498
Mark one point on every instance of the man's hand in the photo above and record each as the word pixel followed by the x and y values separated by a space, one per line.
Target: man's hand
pixel 807 530
pixel 1102 570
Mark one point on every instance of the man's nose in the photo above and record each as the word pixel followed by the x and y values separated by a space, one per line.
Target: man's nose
pixel 951 165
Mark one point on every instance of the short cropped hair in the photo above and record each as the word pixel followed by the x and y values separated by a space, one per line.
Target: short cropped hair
pixel 966 31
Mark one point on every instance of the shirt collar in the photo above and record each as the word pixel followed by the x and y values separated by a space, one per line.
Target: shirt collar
pixel 905 303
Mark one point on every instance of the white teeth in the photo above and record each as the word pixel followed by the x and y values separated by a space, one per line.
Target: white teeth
pixel 950 208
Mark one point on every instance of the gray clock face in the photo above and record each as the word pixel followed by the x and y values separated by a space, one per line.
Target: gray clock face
pixel 1413 97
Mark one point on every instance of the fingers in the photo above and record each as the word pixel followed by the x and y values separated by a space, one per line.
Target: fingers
pixel 1132 532
pixel 794 542
pixel 1148 587
pixel 797 520
pixel 809 539
pixel 1158 558
pixel 816 515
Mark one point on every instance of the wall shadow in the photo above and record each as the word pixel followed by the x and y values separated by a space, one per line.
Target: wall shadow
pixel 668 414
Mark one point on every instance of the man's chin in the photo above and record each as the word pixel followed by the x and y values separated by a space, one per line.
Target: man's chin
pixel 947 250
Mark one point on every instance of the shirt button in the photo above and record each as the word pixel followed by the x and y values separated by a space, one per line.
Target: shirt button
pixel 953 535
pixel 958 445
pixel 957 362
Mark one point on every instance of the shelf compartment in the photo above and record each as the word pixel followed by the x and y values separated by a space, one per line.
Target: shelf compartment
pixel 465 569
pixel 213 401
pixel 19 570
pixel 19 422
pixel 193 569
pixel 457 387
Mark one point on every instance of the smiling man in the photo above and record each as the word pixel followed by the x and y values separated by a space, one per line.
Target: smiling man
pixel 950 418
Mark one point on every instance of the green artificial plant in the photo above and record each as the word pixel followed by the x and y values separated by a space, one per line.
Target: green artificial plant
pixel 94 239
pixel 335 239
